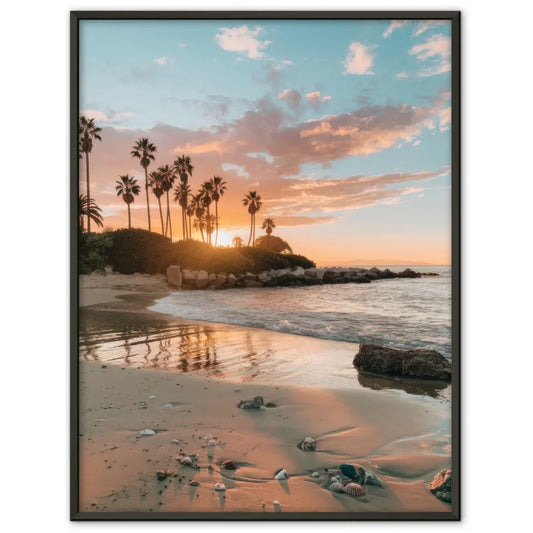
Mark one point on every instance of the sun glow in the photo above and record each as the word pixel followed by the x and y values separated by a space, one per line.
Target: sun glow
pixel 225 237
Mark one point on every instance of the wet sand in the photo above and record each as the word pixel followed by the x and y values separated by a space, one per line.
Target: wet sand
pixel 194 391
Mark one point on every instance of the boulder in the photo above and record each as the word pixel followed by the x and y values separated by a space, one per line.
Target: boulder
pixel 427 364
pixel 441 485
pixel 310 272
pixel 231 280
pixel 299 272
pixel 187 274
pixel 250 276
pixel 174 278
pixel 202 279
pixel 360 279
pixel 281 272
pixel 320 273
pixel 264 277
pixel 369 275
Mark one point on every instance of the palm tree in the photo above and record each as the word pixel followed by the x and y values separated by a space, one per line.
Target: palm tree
pixel 210 224
pixel 181 195
pixel 155 182
pixel 219 188
pixel 237 242
pixel 199 225
pixel 183 167
pixel 268 226
pixel 87 133
pixel 89 206
pixel 127 188
pixel 143 149
pixel 167 183
pixel 253 201
pixel 191 209
pixel 206 197
pixel 199 211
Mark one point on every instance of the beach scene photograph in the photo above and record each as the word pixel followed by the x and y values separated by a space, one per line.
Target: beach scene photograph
pixel 264 283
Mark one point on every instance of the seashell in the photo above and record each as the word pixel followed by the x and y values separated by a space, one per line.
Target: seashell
pixel 220 487
pixel 336 486
pixel 315 474
pixel 354 489
pixel 307 445
pixel 167 405
pixel 371 478
pixel 208 436
pixel 177 442
pixel 163 474
pixel 275 502
pixel 229 465
pixel 354 472
pixel 212 442
pixel 194 483
pixel 187 460
pixel 281 474
pixel 151 397
pixel 146 432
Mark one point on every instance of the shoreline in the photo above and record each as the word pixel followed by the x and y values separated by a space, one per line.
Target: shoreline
pixel 404 438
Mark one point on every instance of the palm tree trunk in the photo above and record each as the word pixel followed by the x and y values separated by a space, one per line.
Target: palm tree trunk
pixel 202 233
pixel 161 215
pixel 190 226
pixel 129 217
pixel 216 222
pixel 147 198
pixel 268 241
pixel 183 223
pixel 250 236
pixel 208 217
pixel 169 219
pixel 166 219
pixel 253 238
pixel 88 194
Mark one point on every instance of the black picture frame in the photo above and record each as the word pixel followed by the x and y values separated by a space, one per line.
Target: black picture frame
pixel 455 18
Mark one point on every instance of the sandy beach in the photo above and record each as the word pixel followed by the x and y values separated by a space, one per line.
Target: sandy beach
pixel 128 382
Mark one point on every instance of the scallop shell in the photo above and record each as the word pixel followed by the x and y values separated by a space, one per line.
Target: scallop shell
pixel 220 487
pixel 187 460
pixel 212 442
pixel 208 436
pixel 315 474
pixel 307 445
pixel 336 486
pixel 354 489
pixel 147 432
pixel 281 474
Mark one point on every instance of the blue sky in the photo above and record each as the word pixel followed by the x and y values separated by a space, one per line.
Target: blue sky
pixel 336 103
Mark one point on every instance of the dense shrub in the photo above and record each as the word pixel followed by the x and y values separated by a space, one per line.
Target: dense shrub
pixel 265 260
pixel 273 244
pixel 94 251
pixel 198 255
pixel 138 250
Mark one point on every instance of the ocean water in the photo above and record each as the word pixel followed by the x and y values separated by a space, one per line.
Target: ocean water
pixel 401 313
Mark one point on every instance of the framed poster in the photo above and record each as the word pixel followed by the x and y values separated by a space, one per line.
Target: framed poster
pixel 265 265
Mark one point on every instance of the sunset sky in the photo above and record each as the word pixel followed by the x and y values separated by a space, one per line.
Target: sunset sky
pixel 343 127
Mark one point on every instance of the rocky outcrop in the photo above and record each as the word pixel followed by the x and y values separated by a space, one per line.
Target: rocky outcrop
pixel 201 279
pixel 441 485
pixel 427 364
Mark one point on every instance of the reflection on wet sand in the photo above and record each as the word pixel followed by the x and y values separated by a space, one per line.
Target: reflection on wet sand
pixel 150 342
pixel 420 387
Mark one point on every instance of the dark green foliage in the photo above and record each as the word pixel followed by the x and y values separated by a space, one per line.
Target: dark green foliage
pixel 198 255
pixel 94 250
pixel 265 260
pixel 138 250
pixel 299 261
pixel 273 244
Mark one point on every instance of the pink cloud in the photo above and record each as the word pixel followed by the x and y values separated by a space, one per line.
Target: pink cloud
pixel 242 40
pixel 358 60
pixel 438 48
